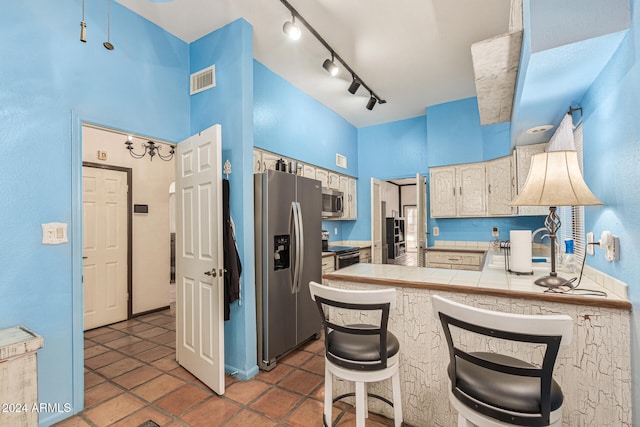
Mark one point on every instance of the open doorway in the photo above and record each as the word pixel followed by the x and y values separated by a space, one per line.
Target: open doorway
pixel 148 213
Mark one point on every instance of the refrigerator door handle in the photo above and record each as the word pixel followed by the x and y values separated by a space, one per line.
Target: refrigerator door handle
pixel 296 233
pixel 300 252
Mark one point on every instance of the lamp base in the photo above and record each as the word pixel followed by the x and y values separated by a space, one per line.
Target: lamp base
pixel 551 282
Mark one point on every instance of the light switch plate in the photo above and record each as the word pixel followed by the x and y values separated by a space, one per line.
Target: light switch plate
pixel 436 231
pixel 54 233
pixel 590 249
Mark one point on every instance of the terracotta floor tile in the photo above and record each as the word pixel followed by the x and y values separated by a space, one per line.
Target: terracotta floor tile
pixel 250 418
pixel 314 346
pixel 120 367
pixel 158 387
pixel 167 338
pixel 276 374
pixel 100 393
pixel 246 391
pixel 136 348
pixel 276 403
pixel 91 379
pixel 94 351
pixel 296 358
pixel 137 376
pixel 103 359
pixel 124 341
pixel 348 419
pixel 109 336
pixel 114 409
pixel 309 414
pixel 166 364
pixel 181 400
pixel 180 372
pixel 126 324
pixel 145 414
pixel 140 327
pixel 162 321
pixel 301 382
pixel 315 365
pixel 154 353
pixel 96 332
pixel 212 413
pixel 146 334
pixel 75 421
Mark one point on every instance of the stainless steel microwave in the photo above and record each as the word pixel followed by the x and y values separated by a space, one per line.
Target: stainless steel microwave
pixel 332 203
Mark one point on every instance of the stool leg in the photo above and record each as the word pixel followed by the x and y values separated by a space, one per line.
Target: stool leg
pixel 397 399
pixel 361 402
pixel 366 400
pixel 328 395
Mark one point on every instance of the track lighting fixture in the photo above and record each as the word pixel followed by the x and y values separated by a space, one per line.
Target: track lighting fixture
pixel 291 29
pixel 372 102
pixel 354 86
pixel 330 64
pixel 107 45
pixel 83 27
pixel 150 147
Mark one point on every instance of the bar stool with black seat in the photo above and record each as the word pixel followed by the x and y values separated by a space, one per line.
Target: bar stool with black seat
pixel 495 389
pixel 358 352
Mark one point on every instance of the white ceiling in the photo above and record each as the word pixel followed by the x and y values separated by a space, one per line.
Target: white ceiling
pixel 413 53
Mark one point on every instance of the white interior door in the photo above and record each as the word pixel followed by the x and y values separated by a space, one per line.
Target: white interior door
pixel 104 243
pixel 199 258
pixel 421 230
pixel 376 221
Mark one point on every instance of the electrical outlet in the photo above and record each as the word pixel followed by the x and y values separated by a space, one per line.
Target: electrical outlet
pixel 590 249
pixel 495 232
pixel 436 231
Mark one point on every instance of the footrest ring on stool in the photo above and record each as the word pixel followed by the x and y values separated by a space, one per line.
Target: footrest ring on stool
pixel 342 396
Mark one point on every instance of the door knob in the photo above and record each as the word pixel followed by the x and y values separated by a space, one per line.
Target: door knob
pixel 213 272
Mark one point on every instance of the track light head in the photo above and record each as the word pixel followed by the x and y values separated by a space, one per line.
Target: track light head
pixel 372 102
pixel 354 86
pixel 83 32
pixel 330 66
pixel 291 29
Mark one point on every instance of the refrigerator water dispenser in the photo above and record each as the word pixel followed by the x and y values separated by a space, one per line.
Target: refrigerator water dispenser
pixel 281 258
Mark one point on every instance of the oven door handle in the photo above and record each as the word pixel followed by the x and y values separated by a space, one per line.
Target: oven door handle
pixel 349 256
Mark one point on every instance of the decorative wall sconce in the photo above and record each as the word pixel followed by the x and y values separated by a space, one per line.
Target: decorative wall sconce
pixel 151 148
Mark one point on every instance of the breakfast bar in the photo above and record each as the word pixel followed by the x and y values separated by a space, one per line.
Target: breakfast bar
pixel 594 371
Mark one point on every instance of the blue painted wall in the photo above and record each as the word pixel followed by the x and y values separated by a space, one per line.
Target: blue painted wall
pixel 611 132
pixel 230 103
pixel 390 150
pixel 291 123
pixel 46 75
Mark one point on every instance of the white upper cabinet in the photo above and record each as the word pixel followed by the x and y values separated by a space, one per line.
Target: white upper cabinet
pixel 334 180
pixel 471 198
pixel 500 186
pixel 443 192
pixel 269 161
pixel 523 156
pixel 352 200
pixel 257 162
pixel 322 175
pixel 309 171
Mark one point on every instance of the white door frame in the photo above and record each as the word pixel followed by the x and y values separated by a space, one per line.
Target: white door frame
pixel 128 171
pixel 376 248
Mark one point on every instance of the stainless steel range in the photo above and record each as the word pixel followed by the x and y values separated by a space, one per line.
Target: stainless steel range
pixel 345 255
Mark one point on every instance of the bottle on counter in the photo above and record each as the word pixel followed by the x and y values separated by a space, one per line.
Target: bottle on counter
pixel 569 260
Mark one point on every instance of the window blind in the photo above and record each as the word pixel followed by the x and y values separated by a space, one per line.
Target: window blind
pixel 572 217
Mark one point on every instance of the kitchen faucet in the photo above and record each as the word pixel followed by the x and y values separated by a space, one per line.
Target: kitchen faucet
pixel 539 230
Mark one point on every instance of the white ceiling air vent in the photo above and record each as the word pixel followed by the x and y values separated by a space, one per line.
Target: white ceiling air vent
pixel 203 79
pixel 341 161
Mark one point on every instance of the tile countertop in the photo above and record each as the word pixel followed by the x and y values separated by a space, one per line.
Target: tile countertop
pixel 489 281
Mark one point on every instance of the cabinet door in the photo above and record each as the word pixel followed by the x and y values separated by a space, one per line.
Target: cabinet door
pixel 334 181
pixel 499 186
pixel 443 192
pixel 470 180
pixel 523 163
pixel 257 161
pixel 353 198
pixel 309 171
pixel 344 187
pixel 323 176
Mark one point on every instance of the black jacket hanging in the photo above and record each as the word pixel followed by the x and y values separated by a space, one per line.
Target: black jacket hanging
pixel 232 263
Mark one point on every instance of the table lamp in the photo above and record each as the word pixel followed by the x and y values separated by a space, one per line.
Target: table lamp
pixel 554 180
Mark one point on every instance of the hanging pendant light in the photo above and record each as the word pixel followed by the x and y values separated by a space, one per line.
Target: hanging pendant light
pixel 83 27
pixel 108 44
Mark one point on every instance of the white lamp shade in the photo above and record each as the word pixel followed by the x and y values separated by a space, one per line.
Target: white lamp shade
pixel 555 180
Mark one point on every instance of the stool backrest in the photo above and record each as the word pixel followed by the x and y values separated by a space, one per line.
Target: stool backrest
pixel 362 301
pixel 549 330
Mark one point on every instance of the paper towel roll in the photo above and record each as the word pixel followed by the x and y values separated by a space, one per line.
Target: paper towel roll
pixel 520 261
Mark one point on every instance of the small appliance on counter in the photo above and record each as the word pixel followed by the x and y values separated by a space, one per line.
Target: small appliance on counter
pixel 325 241
pixel 520 252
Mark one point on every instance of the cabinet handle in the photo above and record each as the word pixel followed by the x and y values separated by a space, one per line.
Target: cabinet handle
pixel 454 191
pixel 460 191
pixel 489 188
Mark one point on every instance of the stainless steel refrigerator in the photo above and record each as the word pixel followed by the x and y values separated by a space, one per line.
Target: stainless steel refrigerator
pixel 288 230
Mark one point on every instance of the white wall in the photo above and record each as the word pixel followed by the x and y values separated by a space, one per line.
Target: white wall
pixel 151 180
